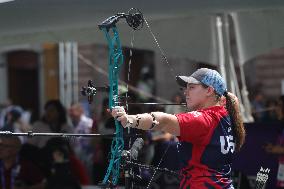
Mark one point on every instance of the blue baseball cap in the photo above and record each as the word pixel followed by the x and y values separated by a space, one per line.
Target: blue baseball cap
pixel 207 77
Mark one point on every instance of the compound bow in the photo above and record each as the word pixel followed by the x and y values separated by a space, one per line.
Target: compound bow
pixel 135 20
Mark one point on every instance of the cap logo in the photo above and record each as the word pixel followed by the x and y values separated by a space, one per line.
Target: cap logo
pixel 212 78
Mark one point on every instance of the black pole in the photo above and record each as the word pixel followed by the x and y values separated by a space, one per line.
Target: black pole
pixel 128 179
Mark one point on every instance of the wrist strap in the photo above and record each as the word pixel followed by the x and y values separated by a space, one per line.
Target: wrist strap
pixel 137 121
pixel 154 121
pixel 129 123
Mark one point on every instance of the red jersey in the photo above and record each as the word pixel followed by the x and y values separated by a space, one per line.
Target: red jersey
pixel 206 148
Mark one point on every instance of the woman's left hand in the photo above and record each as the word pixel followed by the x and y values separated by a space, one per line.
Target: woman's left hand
pixel 118 112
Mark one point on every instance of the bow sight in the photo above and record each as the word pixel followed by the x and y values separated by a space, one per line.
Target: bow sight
pixel 91 90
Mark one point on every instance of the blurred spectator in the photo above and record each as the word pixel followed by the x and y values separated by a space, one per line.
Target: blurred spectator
pixel 165 155
pixel 3 110
pixel 103 126
pixel 278 149
pixel 82 125
pixel 258 107
pixel 99 160
pixel 280 109
pixel 54 120
pixel 65 170
pixel 271 111
pixel 14 123
pixel 15 171
pixel 163 141
pixel 174 109
pixel 146 84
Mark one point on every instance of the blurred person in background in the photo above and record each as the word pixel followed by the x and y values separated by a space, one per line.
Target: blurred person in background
pixel 271 111
pixel 82 125
pixel 3 110
pixel 280 108
pixel 178 99
pixel 14 123
pixel 54 120
pixel 64 169
pixel 258 107
pixel 17 172
pixel 278 148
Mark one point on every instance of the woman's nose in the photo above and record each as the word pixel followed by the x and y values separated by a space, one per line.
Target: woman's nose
pixel 185 92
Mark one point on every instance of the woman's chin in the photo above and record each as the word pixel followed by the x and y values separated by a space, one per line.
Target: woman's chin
pixel 192 107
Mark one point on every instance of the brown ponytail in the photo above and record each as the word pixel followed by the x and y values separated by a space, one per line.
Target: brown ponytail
pixel 232 106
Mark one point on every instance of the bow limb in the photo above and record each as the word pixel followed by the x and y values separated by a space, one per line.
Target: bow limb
pixel 135 20
pixel 115 62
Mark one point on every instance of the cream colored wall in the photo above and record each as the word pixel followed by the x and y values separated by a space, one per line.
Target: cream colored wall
pixel 50 71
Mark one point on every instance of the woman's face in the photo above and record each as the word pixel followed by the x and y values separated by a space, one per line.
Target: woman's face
pixel 195 95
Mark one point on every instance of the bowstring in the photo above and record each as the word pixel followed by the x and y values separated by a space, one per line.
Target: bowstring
pixel 155 169
pixel 172 71
pixel 128 80
pixel 127 86
pixel 162 52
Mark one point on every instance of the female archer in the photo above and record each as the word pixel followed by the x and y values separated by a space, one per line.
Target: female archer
pixel 209 134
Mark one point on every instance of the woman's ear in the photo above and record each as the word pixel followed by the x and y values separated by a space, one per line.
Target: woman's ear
pixel 210 91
